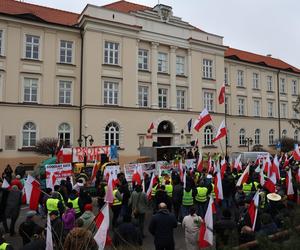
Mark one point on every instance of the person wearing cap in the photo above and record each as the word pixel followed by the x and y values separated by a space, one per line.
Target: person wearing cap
pixel 88 218
pixel 3 244
pixel 57 228
pixel 54 204
pixel 74 199
pixel 28 227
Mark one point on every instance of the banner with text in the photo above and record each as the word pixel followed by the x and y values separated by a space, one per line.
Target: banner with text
pixel 147 167
pixel 57 172
pixel 92 153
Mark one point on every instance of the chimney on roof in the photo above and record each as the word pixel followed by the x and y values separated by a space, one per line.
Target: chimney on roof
pixel 164 11
pixel 269 55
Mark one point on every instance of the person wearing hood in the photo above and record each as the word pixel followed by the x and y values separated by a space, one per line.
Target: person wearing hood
pixel 88 218
pixel 161 227
pixel 74 199
pixel 68 218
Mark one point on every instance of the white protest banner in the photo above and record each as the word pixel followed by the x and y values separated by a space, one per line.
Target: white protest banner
pixel 190 163
pixel 164 166
pixel 113 170
pixel 147 167
pixel 57 172
pixel 92 153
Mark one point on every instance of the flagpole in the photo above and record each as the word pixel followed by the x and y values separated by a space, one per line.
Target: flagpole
pixel 225 118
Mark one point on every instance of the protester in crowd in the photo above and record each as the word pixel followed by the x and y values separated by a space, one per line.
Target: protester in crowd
pixel 68 218
pixel 161 227
pixel 3 243
pixel 38 241
pixel 3 200
pixel 13 206
pixel 101 195
pixel 161 196
pixel 177 198
pixel 201 199
pixel 57 229
pixel 88 218
pixel 69 185
pixel 17 182
pixel 7 173
pixel 116 206
pixel 79 184
pixel 124 191
pixel 74 199
pixel 28 227
pixel 54 203
pixel 191 225
pixel 84 198
pixel 138 201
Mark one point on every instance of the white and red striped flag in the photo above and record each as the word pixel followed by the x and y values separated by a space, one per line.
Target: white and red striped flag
pixel 149 190
pixel 203 118
pixel 109 195
pixel 222 94
pixel 223 167
pixel 252 210
pixel 49 241
pixel 206 229
pixel 33 192
pixel 184 179
pixel 136 177
pixel 200 162
pixel 296 153
pixel 286 161
pixel 275 168
pixel 5 183
pixel 237 163
pixel 221 132
pixel 218 185
pixel 244 177
pixel 102 223
pixel 289 184
pixel 94 172
pixel 210 165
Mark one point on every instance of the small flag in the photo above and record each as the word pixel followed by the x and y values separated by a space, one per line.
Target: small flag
pixel 221 132
pixel 200 162
pixel 222 94
pixel 150 127
pixel 109 195
pixel 252 210
pixel 203 118
pixel 102 223
pixel 244 177
pixel 33 192
pixel 150 186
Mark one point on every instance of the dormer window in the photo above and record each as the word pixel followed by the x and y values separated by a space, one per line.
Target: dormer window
pixel 164 11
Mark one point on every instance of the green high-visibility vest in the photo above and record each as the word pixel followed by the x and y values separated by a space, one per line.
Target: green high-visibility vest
pixel 3 246
pixel 187 198
pixel 213 194
pixel 247 188
pixel 201 194
pixel 153 192
pixel 169 190
pixel 75 205
pixel 52 205
pixel 116 200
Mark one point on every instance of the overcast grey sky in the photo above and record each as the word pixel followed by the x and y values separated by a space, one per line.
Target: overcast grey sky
pixel 258 26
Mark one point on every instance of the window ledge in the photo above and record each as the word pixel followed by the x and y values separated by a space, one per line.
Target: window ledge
pixel 2 56
pixel 283 93
pixel 270 91
pixel 163 73
pixel 144 70
pixel 208 79
pixel 241 87
pixel 183 76
pixel 255 89
pixel 271 145
pixel 119 148
pixel 66 64
pixel 31 60
pixel 242 146
pixel 112 65
pixel 210 146
pixel 294 95
pixel 26 149
pixel 30 103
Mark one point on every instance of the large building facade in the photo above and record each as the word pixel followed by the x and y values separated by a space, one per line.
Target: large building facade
pixel 113 70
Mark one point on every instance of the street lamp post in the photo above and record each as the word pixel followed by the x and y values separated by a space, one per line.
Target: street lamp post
pixel 85 137
pixel 248 141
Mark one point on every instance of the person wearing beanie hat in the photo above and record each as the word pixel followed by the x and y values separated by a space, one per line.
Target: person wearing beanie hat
pixel 28 227
pixel 68 218
pixel 88 218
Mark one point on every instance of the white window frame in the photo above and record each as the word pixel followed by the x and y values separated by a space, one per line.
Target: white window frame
pixel 116 52
pixel 270 83
pixel 282 87
pixel 241 106
pixel 240 78
pixel 66 49
pixel 2 42
pixel 255 80
pixel 62 133
pixel 32 44
pixel 256 108
pixel 283 110
pixel 143 59
pixel 208 101
pixel 257 135
pixel 28 144
pixel 37 89
pixel 208 134
pixel 270 109
pixel 162 62
pixel 180 65
pixel 181 99
pixel 271 136
pixel 114 87
pixel 163 98
pixel 242 136
pixel 71 91
pixel 112 131
pixel 207 68
pixel 142 94
pixel 294 87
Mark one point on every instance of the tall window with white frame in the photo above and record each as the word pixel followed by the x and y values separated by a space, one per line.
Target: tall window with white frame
pixel 143 60
pixel 32 44
pixel 282 89
pixel 294 87
pixel 208 101
pixel 66 52
pixel 256 107
pixel 283 110
pixel 112 134
pixel 180 99
pixel 208 135
pixel 30 90
pixel 270 109
pixel 162 62
pixel 111 93
pixel 1 43
pixel 240 78
pixel 29 134
pixel 207 69
pixel 65 92
pixel 271 137
pixel 295 115
pixel 284 133
pixel 226 76
pixel 241 106
pixel 257 137
pixel 270 83
pixel 255 81
pixel 180 69
pixel 162 98
pixel 143 96
pixel 64 134
pixel 242 136
pixel 111 53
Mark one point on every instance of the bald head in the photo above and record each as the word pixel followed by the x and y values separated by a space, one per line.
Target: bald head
pixel 162 205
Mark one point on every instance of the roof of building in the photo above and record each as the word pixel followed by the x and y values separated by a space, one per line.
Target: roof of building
pixel 36 12
pixel 126 7
pixel 261 60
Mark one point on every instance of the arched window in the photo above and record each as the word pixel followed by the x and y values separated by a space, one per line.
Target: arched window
pixel 271 137
pixel 242 136
pixel 296 135
pixel 29 134
pixel 64 133
pixel 257 137
pixel 208 135
pixel 284 133
pixel 112 134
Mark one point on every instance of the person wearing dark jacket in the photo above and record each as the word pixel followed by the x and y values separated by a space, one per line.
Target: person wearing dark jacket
pixel 228 185
pixel 161 196
pixel 3 244
pixel 74 199
pixel 57 227
pixel 268 226
pixel 84 198
pixel 3 200
pixel 177 198
pixel 38 241
pixel 28 227
pixel 161 227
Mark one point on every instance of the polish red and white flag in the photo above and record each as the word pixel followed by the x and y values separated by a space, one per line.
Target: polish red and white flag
pixel 102 223
pixel 296 153
pixel 109 195
pixel 289 184
pixel 275 168
pixel 203 118
pixel 200 162
pixel 252 210
pixel 210 165
pixel 218 185
pixel 149 190
pixel 221 132
pixel 237 163
pixel 244 177
pixel 222 94
pixel 223 167
pixel 206 229
pixel 49 240
pixel 94 171
pixel 33 192
pixel 270 184
pixel 286 161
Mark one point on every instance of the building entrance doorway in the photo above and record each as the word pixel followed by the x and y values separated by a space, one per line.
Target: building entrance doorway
pixel 165 133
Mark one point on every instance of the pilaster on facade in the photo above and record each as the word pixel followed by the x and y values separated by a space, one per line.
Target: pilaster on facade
pixel 154 87
pixel 173 77
pixel 136 74
pixel 189 66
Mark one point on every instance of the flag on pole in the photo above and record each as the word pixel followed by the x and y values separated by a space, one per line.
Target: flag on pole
pixel 102 223
pixel 136 177
pixel 109 195
pixel 223 167
pixel 149 190
pixel 275 168
pixel 286 161
pixel 203 118
pixel 210 165
pixel 252 210
pixel 221 131
pixel 237 163
pixel 289 184
pixel 5 183
pixel 49 241
pixel 33 192
pixel 296 153
pixel 244 177
pixel 94 172
pixel 222 94
pixel 200 162
pixel 150 127
pixel 218 185
pixel 189 125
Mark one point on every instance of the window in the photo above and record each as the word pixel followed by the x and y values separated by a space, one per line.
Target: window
pixel 294 87
pixel 162 62
pixel 227 104
pixel 208 135
pixel 111 53
pixel 30 89
pixel 32 47
pixel 242 136
pixel 180 99
pixel 269 83
pixel 255 81
pixel 284 133
pixel 282 86
pixel 226 76
pixel 64 133
pixel 1 43
pixel 65 92
pixel 143 96
pixel 240 78
pixel 207 68
pixel 143 59
pixel 29 134
pixel 241 106
pixel 270 109
pixel 209 101
pixel 283 110
pixel 66 51
pixel 112 134
pixel 180 65
pixel 111 93
pixel 256 107
pixel 296 135
pixel 294 111
pixel 271 137
pixel 257 137
pixel 162 98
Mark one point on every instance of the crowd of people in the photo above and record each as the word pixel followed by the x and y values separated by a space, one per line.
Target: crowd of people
pixel 172 203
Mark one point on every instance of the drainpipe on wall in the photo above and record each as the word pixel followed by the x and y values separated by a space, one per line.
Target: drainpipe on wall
pixel 278 106
pixel 81 85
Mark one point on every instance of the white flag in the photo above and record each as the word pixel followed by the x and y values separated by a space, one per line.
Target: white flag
pixel 49 242
pixel 100 236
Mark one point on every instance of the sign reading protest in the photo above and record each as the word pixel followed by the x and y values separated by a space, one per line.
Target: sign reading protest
pixel 147 167
pixel 57 172
pixel 92 153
